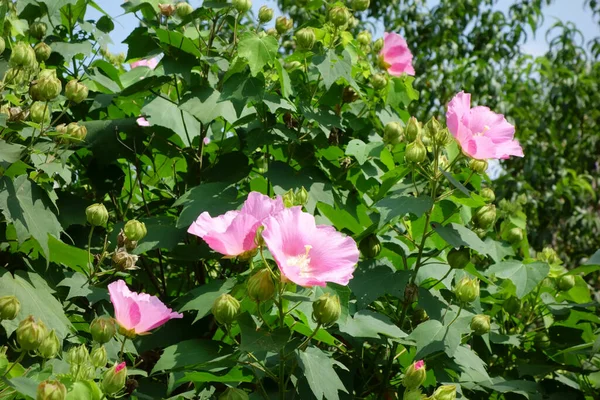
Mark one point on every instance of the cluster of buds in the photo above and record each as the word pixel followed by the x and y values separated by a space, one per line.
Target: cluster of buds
pixel 80 363
pixel 548 255
pixel 370 246
pixel 435 133
pixel 114 379
pixel 42 52
pixel 226 309
pixel 467 290
pixel 298 198
pixel 46 87
pixel 327 309
pixel 71 133
pixel 127 240
pixel 114 59
pixel 260 286
pixel 364 38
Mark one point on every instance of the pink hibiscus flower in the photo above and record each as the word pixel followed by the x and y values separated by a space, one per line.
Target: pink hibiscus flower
pixel 309 254
pixel 151 63
pixel 395 56
pixel 481 133
pixel 138 312
pixel 141 121
pixel 233 233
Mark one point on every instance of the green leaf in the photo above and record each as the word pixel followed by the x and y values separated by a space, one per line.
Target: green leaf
pixel 594 260
pixel 206 105
pixel 401 92
pixel 9 153
pixel 235 375
pixel 202 298
pixel 525 277
pixel 165 113
pixel 162 234
pixel 79 287
pixel 215 198
pixel 29 209
pixel 363 151
pixel 457 235
pixel 333 67
pixel 70 50
pixel 369 324
pixel 396 206
pixel 260 340
pixel 258 51
pixel 472 366
pixel 24 385
pixel 432 336
pixel 456 183
pixel 177 40
pixel 195 352
pixel 318 371
pixel 376 278
pixel 67 255
pixel 36 299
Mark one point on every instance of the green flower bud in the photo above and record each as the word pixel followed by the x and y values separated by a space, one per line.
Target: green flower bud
pixel 166 9
pixel 38 30
pixel 265 14
pixel 370 247
pixel 415 152
pixel 273 32
pixel 3 361
pixel 414 394
pixel 444 392
pixel 420 315
pixel 14 76
pixel 459 258
pixel 260 286
pixel 415 375
pixel 305 38
pixel 242 6
pixel 393 133
pixel 22 56
pixel 289 199
pixel 566 282
pixel 515 235
pixel 548 255
pixel 541 340
pixel 47 87
pixel 78 355
pixel 480 324
pixel 292 65
pixel 339 16
pixel 114 379
pixel 123 261
pixel 40 112
pixel 103 329
pixel 2 45
pixel 50 346
pixel 42 51
pixel 327 309
pixel 349 95
pixel 467 290
pixel 360 5
pixel 432 127
pixel 135 230
pixel 51 390
pixel 97 214
pixel 283 24
pixel 76 92
pixel 485 216
pixel 443 137
pixel 364 38
pixel 378 45
pixel 413 129
pixel 301 196
pixel 379 81
pixel 99 357
pixel 226 309
pixel 9 307
pixel 30 333
pixel 512 305
pixel 488 195
pixel 478 166
pixel 76 132
pixel 233 394
pixel 183 9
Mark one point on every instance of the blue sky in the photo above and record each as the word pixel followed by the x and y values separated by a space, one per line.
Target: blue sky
pixel 566 10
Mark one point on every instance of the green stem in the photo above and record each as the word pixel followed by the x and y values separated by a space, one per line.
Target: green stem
pixel 456 317
pixel 122 348
pixel 89 251
pixel 281 352
pixel 304 344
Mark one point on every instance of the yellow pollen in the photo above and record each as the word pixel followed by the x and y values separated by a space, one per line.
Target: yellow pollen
pixel 302 261
pixel 485 129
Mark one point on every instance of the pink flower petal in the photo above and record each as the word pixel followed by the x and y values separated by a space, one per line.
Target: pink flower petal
pixel 141 121
pixel 151 63
pixel 419 364
pixel 396 55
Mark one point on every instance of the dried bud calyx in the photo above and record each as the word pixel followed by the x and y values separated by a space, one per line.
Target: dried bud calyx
pixel 135 230
pixel 103 329
pixel 467 290
pixel 415 375
pixel 51 390
pixel 9 307
pixel 370 246
pixel 260 286
pixel 393 133
pixel 166 9
pixel 226 309
pixel 123 261
pixel 114 379
pixel 76 92
pixel 50 346
pixel 480 324
pixel 305 38
pixel 97 214
pixel 265 14
pixel 31 333
pixel 327 309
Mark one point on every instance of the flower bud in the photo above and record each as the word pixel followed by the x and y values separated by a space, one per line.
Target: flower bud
pixel 413 129
pixel 478 166
pixel 485 216
pixel 242 6
pixel 480 324
pixel 273 32
pixel 379 81
pixel 415 152
pixel 515 235
pixel 260 286
pixel 50 346
pixel 289 199
pixel 443 137
pixel 378 45
pixel 38 30
pixel 283 24
pixel 459 258
pixel 349 95
pixel 47 87
pixel 414 394
pixel 233 394
pixel 135 230
pixel 360 5
pixel 301 196
pixel 166 9
pixel 305 38
pixel 432 127
pixel 99 357
pixel 96 214
pixel 2 45
pixel 42 51
pixel 114 379
pixel 370 246
pixel 420 315
pixel 30 333
pixel 3 361
pixel 183 9
pixel 123 261
pixel 9 307
pixel 415 375
pixel 488 195
pixel 548 255
pixel 444 392
pixel 327 309
pixel 15 76
pixel 566 283
pixel 226 309
pixel 76 92
pixel 40 112
pixel 512 305
pixel 467 290
pixel 339 16
pixel 22 56
pixel 103 329
pixel 78 355
pixel 393 133
pixel 51 390
pixel 265 14
pixel 364 38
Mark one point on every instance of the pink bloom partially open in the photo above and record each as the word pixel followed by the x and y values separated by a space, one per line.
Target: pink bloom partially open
pixel 481 133
pixel 151 63
pixel 309 254
pixel 141 121
pixel 120 367
pixel 419 364
pixel 395 55
pixel 138 312
pixel 233 233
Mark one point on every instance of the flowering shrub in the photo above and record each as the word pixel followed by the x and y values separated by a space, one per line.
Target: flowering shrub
pixel 251 212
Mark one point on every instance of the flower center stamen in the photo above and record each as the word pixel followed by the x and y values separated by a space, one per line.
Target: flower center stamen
pixel 302 261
